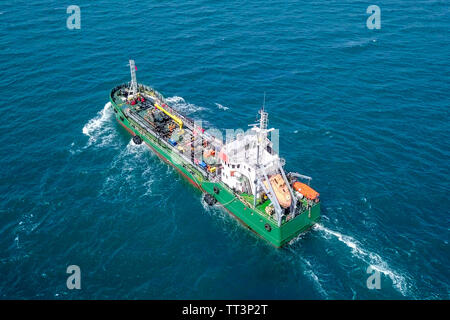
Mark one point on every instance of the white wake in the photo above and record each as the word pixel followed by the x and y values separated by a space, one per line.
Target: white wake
pixel 218 105
pixel 178 103
pixel 99 129
pixel 370 258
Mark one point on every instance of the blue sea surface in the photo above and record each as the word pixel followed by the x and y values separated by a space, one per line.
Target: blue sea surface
pixel 364 112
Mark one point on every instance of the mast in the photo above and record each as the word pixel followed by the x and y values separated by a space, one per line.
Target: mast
pixel 264 116
pixel 262 133
pixel 133 83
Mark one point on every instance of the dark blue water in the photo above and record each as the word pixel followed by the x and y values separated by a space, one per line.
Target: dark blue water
pixel 364 112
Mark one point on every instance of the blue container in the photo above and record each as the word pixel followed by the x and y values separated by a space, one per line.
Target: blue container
pixel 172 142
pixel 202 164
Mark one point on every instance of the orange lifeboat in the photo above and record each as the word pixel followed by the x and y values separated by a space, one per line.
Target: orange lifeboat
pixel 306 190
pixel 281 190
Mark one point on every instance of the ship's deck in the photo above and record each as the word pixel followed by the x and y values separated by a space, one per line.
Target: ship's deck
pixel 153 115
pixel 159 122
pixel 139 107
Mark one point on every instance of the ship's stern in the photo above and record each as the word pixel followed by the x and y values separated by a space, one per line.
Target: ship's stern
pixel 302 222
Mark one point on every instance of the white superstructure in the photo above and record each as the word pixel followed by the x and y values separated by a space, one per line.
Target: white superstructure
pixel 249 161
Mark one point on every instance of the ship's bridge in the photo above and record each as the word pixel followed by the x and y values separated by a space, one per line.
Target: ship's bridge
pixel 245 155
pixel 250 166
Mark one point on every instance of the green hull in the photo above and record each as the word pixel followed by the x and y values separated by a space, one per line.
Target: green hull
pixel 239 207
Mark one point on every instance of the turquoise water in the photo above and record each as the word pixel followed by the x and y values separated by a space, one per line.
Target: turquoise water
pixel 364 112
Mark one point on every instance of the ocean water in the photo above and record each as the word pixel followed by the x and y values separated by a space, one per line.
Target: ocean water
pixel 364 112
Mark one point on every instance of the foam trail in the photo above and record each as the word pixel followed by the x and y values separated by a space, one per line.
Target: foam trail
pixel 178 103
pixel 125 168
pixel 221 215
pixel 221 106
pixel 296 239
pixel 356 44
pixel 308 269
pixel 175 99
pixel 314 278
pixel 95 128
pixel 370 258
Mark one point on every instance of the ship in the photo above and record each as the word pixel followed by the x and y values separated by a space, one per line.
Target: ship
pixel 244 175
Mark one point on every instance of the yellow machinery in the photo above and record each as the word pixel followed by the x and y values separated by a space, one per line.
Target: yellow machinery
pixel 174 117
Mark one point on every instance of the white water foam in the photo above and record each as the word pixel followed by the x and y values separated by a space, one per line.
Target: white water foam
pixel 307 267
pixel 296 239
pixel 218 105
pixel 373 259
pixel 129 164
pixel 178 103
pixel 310 273
pixel 355 44
pixel 222 218
pixel 97 129
pixel 175 99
